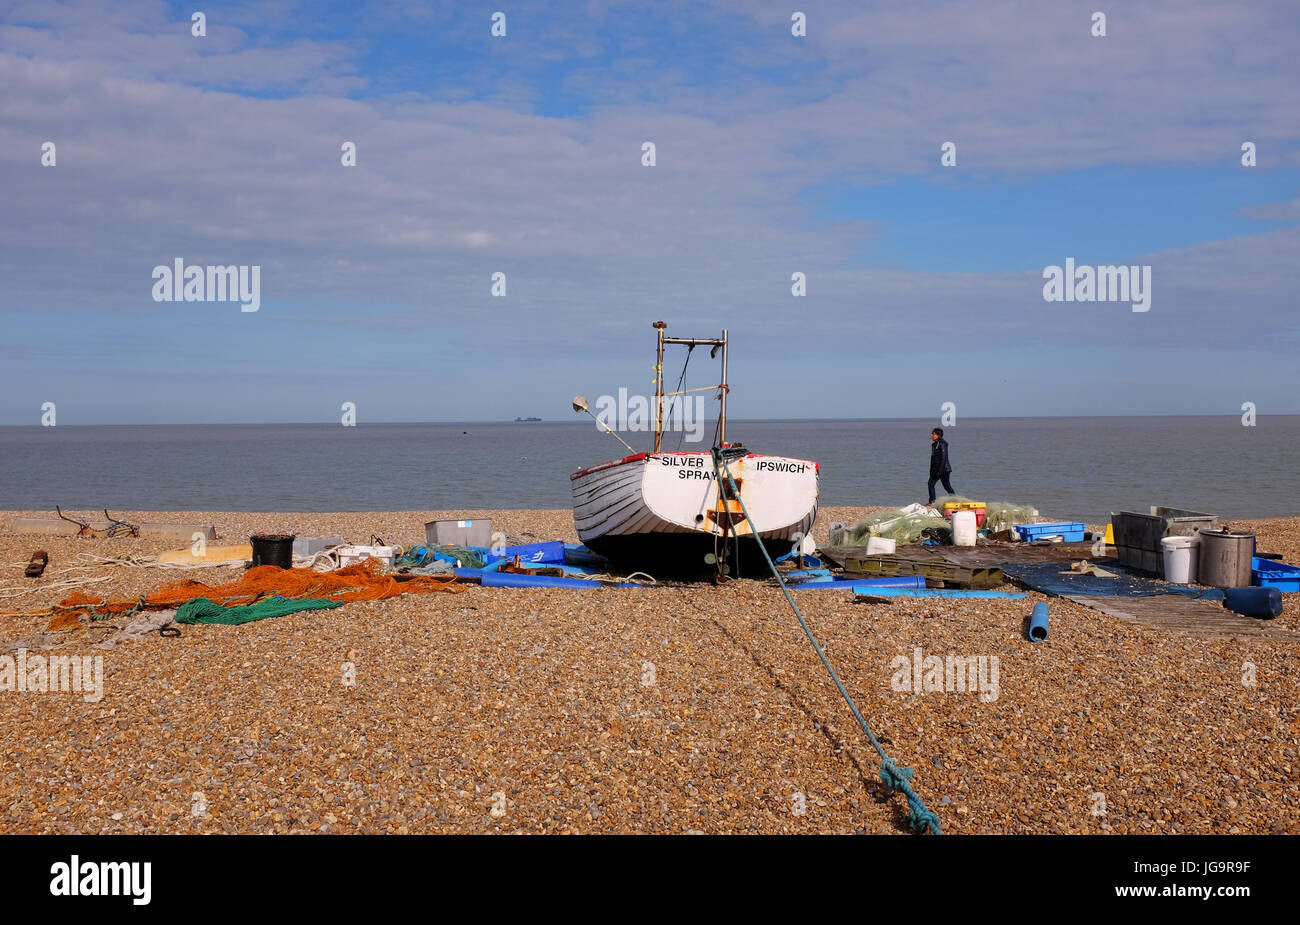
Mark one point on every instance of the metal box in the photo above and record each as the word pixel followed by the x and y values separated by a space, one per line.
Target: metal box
pixel 1138 536
pixel 458 532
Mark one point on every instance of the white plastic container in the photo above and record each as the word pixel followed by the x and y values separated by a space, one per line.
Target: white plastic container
pixel 351 555
pixel 1180 558
pixel 964 529
pixel 310 545
pixel 880 546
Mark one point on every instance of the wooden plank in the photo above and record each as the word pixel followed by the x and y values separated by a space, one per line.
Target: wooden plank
pixel 53 526
pixel 1178 613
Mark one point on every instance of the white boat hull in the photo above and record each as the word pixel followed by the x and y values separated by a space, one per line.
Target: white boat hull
pixel 657 509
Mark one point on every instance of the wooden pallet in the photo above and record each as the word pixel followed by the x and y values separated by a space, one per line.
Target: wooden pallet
pixel 944 574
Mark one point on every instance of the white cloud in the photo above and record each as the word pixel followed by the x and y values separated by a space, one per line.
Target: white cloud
pixel 153 165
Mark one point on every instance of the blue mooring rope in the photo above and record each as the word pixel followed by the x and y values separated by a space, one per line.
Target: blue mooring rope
pixel 891 774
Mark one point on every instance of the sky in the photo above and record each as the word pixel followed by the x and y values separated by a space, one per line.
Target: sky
pixel 522 154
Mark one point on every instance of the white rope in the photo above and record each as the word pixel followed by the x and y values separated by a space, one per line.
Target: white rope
pixel 323 561
pixel 134 561
pixel 65 584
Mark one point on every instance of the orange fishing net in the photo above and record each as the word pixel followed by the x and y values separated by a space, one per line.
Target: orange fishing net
pixel 361 582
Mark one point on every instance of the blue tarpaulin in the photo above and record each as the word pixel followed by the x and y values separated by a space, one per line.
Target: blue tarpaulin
pixel 1055 578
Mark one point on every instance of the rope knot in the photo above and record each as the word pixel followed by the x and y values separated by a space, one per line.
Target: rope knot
pixel 894 777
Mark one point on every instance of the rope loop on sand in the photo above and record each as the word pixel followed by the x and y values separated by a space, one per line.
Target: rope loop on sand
pixel 891 775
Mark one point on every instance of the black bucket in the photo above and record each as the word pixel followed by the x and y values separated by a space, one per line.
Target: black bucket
pixel 273 549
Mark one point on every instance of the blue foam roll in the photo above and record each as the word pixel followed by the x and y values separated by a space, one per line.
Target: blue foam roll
pixel 508 580
pixel 877 591
pixel 1038 623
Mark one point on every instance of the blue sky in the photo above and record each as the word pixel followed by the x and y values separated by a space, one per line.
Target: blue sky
pixel 522 155
pixel 1024 223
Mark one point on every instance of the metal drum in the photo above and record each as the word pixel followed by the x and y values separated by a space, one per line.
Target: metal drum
pixel 1224 559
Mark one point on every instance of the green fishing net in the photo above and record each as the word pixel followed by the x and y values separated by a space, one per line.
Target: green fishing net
pixel 917 523
pixel 903 524
pixel 999 515
pixel 422 556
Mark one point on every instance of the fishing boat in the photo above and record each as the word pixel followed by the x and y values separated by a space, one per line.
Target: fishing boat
pixel 676 511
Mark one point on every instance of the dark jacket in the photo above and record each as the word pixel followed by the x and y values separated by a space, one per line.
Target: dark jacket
pixel 939 464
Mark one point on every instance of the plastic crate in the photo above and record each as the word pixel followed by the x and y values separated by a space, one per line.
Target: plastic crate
pixel 1071 531
pixel 964 505
pixel 1271 574
pixel 980 513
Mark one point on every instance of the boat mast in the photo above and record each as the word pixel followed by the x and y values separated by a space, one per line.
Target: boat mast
pixel 722 411
pixel 718 345
pixel 659 384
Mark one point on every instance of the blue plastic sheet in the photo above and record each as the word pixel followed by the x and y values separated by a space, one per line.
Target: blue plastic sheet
pixel 1055 578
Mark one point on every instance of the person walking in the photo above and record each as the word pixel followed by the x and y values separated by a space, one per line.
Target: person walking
pixel 940 468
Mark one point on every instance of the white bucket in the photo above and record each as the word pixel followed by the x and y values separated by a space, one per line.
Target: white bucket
pixel 879 546
pixel 1180 558
pixel 963 528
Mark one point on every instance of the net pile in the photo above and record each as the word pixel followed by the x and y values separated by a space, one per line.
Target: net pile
pixel 1003 515
pixel 906 525
pixel 999 515
pixel 202 610
pixel 364 581
pixel 423 556
pixel 917 522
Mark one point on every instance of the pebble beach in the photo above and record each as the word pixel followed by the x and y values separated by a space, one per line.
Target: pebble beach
pixel 670 710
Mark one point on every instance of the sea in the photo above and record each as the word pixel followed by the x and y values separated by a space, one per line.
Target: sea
pixel 1078 468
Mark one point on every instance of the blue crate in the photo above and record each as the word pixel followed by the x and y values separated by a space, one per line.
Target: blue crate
pixel 1070 530
pixel 1269 573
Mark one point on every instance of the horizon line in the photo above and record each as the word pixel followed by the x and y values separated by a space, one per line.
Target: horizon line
pixel 810 420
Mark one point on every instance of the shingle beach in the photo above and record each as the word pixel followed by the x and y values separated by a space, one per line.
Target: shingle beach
pixel 659 710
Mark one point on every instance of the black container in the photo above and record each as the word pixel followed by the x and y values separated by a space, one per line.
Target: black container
pixel 272 549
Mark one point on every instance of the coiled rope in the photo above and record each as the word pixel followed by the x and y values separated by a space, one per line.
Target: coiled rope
pixel 894 777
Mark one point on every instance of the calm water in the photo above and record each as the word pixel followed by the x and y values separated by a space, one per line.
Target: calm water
pixel 1081 468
